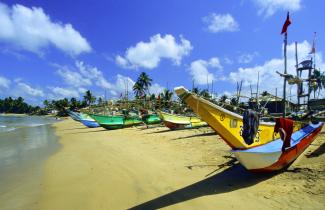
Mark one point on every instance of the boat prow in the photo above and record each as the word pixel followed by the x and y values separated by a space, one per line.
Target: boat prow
pixel 269 157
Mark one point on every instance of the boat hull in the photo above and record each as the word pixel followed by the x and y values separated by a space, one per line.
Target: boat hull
pixel 152 119
pixel 90 123
pixel 227 124
pixel 74 115
pixel 175 122
pixel 116 122
pixel 260 160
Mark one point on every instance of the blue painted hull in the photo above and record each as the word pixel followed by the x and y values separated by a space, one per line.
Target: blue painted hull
pixel 90 124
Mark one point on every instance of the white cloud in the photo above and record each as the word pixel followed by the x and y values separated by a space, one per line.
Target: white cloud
pixel 267 8
pixel 73 78
pixel 156 89
pixel 221 23
pixel 4 82
pixel 269 79
pixel 228 61
pixel 33 30
pixel 148 54
pixel 94 74
pixel 199 70
pixel 24 89
pixel 247 57
pixel 60 93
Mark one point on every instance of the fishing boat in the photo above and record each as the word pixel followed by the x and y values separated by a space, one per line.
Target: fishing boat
pixel 270 157
pixel 174 122
pixel 116 122
pixel 151 119
pixel 86 120
pixel 74 115
pixel 227 124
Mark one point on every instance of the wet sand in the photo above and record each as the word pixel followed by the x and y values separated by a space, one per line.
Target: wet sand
pixel 156 168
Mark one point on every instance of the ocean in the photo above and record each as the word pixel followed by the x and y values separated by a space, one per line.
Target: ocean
pixel 25 143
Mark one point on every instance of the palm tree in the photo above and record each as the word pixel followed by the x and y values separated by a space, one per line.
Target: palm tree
pixel 138 90
pixel 100 100
pixel 205 94
pixel 318 81
pixel 223 98
pixel 73 103
pixel 166 97
pixel 195 90
pixel 145 81
pixel 265 93
pixel 89 98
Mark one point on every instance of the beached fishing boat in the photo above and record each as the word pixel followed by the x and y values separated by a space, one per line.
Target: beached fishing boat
pixel 152 119
pixel 270 157
pixel 86 120
pixel 116 122
pixel 174 122
pixel 227 124
pixel 74 115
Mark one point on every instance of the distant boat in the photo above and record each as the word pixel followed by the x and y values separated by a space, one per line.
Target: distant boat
pixel 175 122
pixel 269 157
pixel 152 119
pixel 227 124
pixel 116 122
pixel 86 120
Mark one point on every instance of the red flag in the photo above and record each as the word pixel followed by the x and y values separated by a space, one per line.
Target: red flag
pixel 286 24
pixel 313 49
pixel 158 97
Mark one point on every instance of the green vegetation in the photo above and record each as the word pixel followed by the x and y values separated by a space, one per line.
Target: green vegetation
pixel 18 106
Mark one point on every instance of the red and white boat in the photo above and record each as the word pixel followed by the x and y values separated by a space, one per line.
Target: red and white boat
pixel 269 157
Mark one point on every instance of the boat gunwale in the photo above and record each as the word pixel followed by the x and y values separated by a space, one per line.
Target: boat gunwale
pixel 187 93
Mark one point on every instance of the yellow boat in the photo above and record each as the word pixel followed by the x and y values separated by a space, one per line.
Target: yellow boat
pixel 174 122
pixel 227 124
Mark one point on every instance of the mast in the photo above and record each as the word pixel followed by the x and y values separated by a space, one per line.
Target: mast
pixel 298 85
pixel 257 94
pixel 285 72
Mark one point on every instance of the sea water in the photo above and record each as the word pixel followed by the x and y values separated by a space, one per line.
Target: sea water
pixel 25 143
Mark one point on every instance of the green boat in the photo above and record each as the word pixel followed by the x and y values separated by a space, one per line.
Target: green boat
pixel 152 119
pixel 116 122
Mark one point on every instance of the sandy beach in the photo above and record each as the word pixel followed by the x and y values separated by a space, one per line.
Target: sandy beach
pixel 160 169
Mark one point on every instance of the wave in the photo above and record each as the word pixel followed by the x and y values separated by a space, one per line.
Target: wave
pixel 3 126
pixel 6 129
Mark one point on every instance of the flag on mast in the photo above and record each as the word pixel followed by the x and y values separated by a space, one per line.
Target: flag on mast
pixel 286 24
pixel 313 49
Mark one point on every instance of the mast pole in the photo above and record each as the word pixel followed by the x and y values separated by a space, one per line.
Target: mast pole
pixel 285 72
pixel 298 85
pixel 257 94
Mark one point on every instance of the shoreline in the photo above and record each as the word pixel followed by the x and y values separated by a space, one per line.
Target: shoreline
pixel 23 153
pixel 155 168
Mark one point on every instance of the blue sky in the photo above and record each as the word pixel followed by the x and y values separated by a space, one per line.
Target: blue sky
pixel 56 49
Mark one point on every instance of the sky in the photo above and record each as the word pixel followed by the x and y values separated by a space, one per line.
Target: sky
pixel 56 49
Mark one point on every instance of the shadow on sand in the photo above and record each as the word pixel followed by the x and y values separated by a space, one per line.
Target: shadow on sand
pixel 84 127
pixel 197 135
pixel 231 179
pixel 319 151
pixel 90 131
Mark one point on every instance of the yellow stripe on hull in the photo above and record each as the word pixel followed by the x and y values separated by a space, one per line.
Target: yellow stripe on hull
pixel 227 124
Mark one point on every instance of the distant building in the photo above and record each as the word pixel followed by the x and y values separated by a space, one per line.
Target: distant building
pixel 272 104
pixel 317 104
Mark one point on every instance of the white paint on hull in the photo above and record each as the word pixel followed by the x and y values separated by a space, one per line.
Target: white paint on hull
pixel 256 160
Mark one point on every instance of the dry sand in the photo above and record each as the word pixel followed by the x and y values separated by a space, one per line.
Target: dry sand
pixel 157 168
